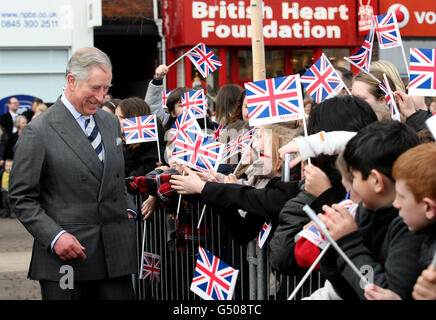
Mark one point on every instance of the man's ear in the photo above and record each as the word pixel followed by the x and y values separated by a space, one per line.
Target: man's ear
pixel 376 178
pixel 71 80
pixel 430 208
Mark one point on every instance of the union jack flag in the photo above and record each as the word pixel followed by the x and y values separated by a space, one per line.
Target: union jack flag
pixel 389 97
pixel 187 125
pixel 422 72
pixel 204 59
pixel 312 234
pixel 274 100
pixel 140 129
pixel 150 267
pixel 197 151
pixel 386 29
pixel 264 233
pixel 238 144
pixel 218 130
pixel 362 58
pixel 165 94
pixel 196 102
pixel 321 80
pixel 213 279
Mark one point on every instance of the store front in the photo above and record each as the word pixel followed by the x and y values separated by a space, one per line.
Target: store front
pixel 295 35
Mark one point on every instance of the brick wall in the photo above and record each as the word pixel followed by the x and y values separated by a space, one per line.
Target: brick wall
pixel 127 8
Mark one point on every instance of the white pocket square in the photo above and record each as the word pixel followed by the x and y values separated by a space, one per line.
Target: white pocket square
pixel 118 141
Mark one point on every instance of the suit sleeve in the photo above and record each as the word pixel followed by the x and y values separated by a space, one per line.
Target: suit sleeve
pixel 24 190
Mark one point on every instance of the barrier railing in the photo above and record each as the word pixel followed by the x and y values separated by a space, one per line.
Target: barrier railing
pixel 177 242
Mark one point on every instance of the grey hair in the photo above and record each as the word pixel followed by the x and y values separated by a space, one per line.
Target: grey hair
pixel 84 59
pixel 17 121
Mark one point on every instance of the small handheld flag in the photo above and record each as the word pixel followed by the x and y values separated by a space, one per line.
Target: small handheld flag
pixel 150 267
pixel 197 151
pixel 195 101
pixel 264 233
pixel 389 97
pixel 274 100
pixel 165 94
pixel 321 80
pixel 141 129
pixel 362 58
pixel 386 29
pixel 422 70
pixel 186 124
pixel 203 59
pixel 213 279
pixel 238 144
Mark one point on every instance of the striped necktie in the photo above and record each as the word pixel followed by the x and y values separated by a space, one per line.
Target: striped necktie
pixel 94 136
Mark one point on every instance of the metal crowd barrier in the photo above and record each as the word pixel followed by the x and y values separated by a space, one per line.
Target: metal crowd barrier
pixel 256 280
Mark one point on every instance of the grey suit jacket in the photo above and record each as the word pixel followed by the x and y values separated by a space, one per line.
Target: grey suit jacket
pixel 58 183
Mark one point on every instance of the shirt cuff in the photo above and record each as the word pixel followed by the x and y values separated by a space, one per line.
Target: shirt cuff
pixel 135 214
pixel 55 239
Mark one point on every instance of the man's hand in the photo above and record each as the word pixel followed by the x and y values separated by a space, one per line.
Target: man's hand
pixel 67 247
pixel 338 221
pixel 149 206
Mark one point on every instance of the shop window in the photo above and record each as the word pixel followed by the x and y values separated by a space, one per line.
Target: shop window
pixel 336 56
pixel 301 58
pixel 274 64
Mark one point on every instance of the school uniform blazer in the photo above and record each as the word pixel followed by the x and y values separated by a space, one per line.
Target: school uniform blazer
pixel 58 183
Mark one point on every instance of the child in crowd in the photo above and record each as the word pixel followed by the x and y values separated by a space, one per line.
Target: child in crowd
pixel 377 238
pixel 5 189
pixel 415 184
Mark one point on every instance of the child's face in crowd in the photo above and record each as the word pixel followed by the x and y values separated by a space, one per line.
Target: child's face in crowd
pixel 412 212
pixel 245 110
pixel 363 190
pixel 361 90
pixel 8 166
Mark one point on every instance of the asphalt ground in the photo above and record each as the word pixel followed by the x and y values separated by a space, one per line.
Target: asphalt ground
pixel 15 252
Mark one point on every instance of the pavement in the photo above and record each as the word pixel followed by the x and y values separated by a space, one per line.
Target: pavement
pixel 15 252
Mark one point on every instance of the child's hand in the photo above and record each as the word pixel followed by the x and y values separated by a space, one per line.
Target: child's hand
pixel 339 221
pixel 188 184
pixel 374 292
pixel 231 178
pixel 405 103
pixel 291 147
pixel 316 181
pixel 161 71
pixel 425 286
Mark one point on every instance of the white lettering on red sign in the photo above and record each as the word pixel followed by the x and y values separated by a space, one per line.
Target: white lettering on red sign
pixel 272 28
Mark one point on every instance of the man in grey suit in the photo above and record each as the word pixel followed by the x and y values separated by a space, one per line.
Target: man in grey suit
pixel 67 188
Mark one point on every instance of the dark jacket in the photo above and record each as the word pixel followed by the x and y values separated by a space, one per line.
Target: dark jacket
pixel 260 204
pixel 381 242
pixel 428 247
pixel 143 159
pixel 292 220
pixel 417 120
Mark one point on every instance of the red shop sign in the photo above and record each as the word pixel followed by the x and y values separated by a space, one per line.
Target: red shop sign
pixel 285 23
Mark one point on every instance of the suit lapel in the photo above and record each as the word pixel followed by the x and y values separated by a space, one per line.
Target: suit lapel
pixel 70 132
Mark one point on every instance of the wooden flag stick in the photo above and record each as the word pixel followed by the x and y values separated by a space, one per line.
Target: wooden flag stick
pixel 369 74
pixel 178 59
pixel 321 254
pixel 433 262
pixel 323 229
